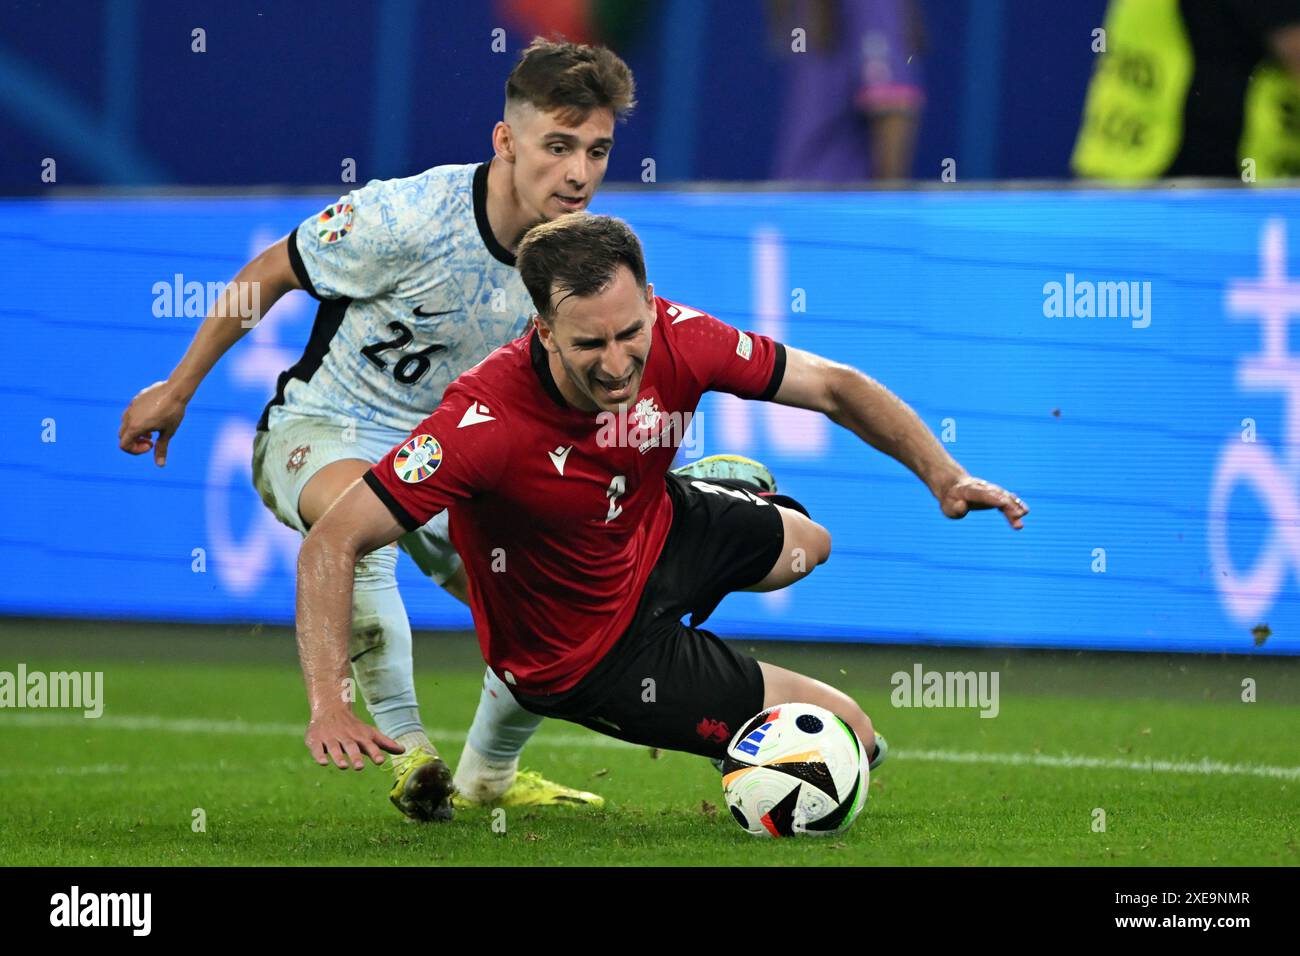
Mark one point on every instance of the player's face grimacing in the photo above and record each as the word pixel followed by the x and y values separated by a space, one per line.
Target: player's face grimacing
pixel 557 168
pixel 601 343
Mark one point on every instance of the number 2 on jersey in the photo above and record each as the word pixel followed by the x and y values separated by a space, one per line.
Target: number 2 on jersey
pixel 410 368
pixel 616 488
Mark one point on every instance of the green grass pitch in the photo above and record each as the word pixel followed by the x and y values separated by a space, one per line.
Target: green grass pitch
pixel 212 718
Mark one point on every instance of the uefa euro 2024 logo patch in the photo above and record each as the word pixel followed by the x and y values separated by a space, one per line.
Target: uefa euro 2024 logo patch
pixel 335 222
pixel 418 459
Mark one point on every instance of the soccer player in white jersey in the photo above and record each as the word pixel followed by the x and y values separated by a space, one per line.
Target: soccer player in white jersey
pixel 417 283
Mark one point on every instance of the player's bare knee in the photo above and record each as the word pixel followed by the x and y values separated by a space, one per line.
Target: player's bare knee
pixel 808 540
pixel 860 723
pixel 781 686
pixel 823 541
pixel 847 709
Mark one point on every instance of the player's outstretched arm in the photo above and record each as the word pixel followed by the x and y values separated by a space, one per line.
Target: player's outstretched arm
pixel 355 525
pixel 883 420
pixel 161 406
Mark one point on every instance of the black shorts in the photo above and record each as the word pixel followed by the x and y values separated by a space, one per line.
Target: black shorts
pixel 666 684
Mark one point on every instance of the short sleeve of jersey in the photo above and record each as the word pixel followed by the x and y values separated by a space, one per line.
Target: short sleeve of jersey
pixel 724 359
pixel 358 247
pixel 459 451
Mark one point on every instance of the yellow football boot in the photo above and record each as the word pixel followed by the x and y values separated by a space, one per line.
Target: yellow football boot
pixel 531 789
pixel 423 788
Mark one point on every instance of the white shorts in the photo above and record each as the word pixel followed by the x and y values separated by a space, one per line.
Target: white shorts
pixel 293 449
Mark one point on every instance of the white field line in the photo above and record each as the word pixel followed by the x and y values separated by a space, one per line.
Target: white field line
pixel 117 769
pixel 245 728
pixel 1210 767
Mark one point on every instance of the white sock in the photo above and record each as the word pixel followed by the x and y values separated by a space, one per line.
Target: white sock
pixel 414 740
pixel 380 647
pixel 482 780
pixel 501 727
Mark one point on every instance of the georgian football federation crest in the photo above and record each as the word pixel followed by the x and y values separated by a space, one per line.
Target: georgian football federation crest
pixel 647 414
pixel 334 223
pixel 644 427
pixel 417 459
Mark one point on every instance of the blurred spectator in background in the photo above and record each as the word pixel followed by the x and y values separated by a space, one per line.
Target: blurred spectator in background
pixel 1194 88
pixel 613 23
pixel 853 91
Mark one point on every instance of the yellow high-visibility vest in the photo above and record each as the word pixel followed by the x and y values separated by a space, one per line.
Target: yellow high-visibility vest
pixel 1270 134
pixel 1133 117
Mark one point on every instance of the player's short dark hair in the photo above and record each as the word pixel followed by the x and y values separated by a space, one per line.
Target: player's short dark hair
pixel 571 80
pixel 577 254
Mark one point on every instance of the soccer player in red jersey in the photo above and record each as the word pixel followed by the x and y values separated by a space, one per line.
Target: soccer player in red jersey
pixel 583 550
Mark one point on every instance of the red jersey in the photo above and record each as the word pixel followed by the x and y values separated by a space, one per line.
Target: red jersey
pixel 560 514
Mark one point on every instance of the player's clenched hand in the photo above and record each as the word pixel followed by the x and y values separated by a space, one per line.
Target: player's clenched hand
pixel 975 494
pixel 159 408
pixel 343 737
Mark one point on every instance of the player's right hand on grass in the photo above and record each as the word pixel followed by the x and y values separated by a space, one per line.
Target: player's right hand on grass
pixel 343 737
pixel 159 408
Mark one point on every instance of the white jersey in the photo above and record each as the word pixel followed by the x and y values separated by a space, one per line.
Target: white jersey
pixel 414 290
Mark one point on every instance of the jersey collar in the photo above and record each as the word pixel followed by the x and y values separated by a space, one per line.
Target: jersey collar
pixel 499 252
pixel 542 366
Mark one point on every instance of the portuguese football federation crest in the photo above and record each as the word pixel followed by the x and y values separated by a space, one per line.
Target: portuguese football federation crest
pixel 297 458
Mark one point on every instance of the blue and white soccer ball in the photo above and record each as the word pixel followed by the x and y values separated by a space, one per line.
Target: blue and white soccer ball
pixel 795 770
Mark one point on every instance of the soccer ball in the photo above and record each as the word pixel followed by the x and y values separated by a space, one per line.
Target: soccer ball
pixel 795 770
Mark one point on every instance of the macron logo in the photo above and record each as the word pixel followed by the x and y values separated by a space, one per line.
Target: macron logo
pixel 559 456
pixel 476 414
pixel 680 313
